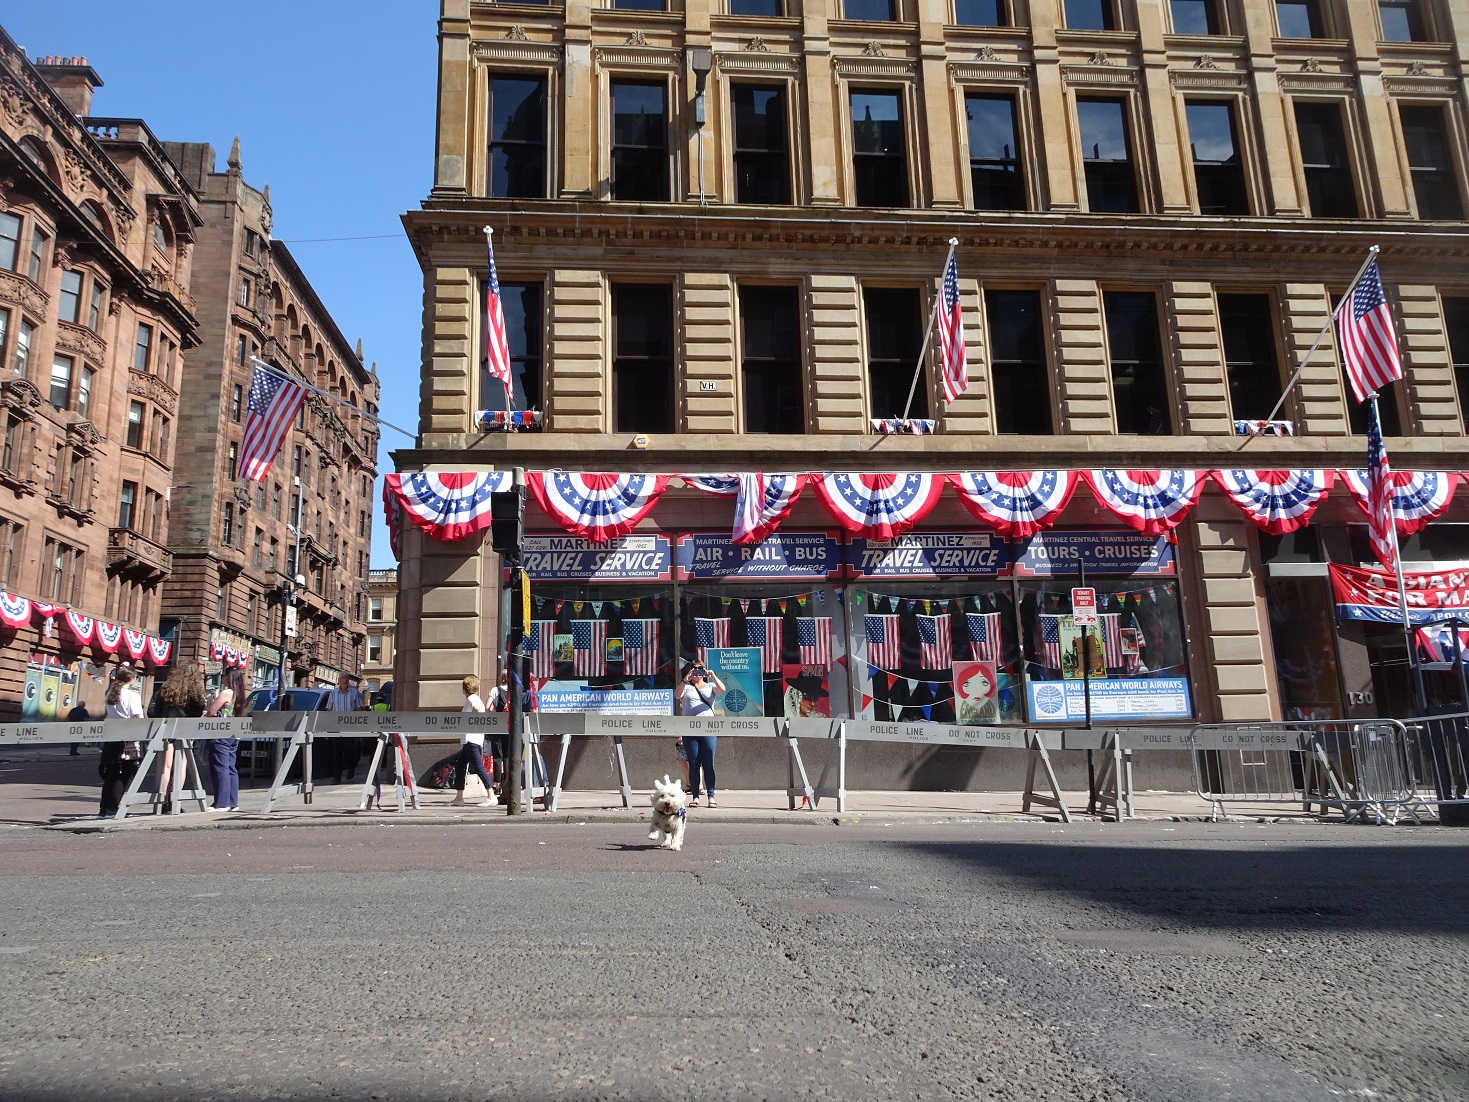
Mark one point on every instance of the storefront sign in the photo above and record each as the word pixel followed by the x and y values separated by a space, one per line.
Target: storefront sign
pixel 1112 698
pixel 1372 595
pixel 573 559
pixel 566 696
pixel 1109 551
pixel 780 556
pixel 929 555
pixel 267 654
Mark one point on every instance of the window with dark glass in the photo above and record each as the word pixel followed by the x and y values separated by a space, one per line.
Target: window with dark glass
pixel 1139 386
pixel 1090 15
pixel 94 308
pixel 1196 17
pixel 1430 162
pixel 981 13
pixel 126 503
pixel 994 153
pixel 876 11
pixel 1018 362
pixel 761 148
pixel 642 358
pixel 1402 21
pixel 1110 185
pixel 879 149
pixel 640 167
pixel 1324 160
pixel 1219 173
pixel 637 5
pixel 518 137
pixel 9 241
pixel 39 237
pixel 237 401
pixel 242 350
pixel 61 369
pixel 756 7
pixel 521 305
pixel 1456 325
pixel 234 460
pixel 1299 19
pixel 84 390
pixel 135 425
pixel 69 305
pixel 894 335
pixel 141 346
pixel 1251 360
pixel 770 346
pixel 23 346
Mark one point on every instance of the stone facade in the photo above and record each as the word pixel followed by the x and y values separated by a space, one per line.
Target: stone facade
pixel 578 244
pixel 382 629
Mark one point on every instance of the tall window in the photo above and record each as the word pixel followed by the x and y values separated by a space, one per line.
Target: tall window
pixel 642 363
pixel 518 137
pixel 1091 15
pixel 1139 388
pixel 142 344
pixel 257 549
pixel 1018 363
pixel 1435 185
pixel 770 344
pixel 1324 160
pixel 62 567
pixel 375 648
pixel 1456 324
pixel 877 11
pixel 84 390
pixel 9 241
pixel 1300 19
pixel 135 425
pixel 23 337
pixel 242 350
pixel 981 13
pixel 894 334
pixel 879 149
pixel 521 303
pixel 12 552
pixel 1110 186
pixel 374 608
pixel 234 460
pixel 1196 17
pixel 1251 360
pixel 761 156
pixel 94 307
pixel 4 333
pixel 61 372
pixel 1402 21
pixel 12 449
pixel 126 504
pixel 994 153
pixel 37 262
pixel 237 401
pixel 640 168
pixel 1218 171
pixel 69 305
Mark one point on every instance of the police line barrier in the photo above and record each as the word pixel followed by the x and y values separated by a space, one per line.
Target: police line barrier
pixel 1438 752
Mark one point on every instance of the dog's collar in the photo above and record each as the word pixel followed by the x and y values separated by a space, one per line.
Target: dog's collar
pixel 683 813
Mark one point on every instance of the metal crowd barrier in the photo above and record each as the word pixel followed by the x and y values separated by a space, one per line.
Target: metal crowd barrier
pixel 1438 753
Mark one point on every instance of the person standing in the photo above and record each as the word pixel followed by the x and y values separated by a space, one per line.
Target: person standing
pixel 224 752
pixel 346 697
pixel 472 750
pixel 696 698
pixel 119 759
pixel 183 696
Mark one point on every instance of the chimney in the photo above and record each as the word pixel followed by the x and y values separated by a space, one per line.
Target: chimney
pixel 72 79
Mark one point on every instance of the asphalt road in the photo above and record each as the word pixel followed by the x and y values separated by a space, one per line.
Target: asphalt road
pixel 998 961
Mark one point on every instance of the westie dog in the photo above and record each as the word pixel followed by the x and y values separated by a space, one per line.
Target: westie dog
pixel 669 814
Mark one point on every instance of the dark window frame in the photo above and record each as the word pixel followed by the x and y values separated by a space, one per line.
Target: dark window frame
pixel 1019 382
pixel 1318 25
pixel 1216 18
pixel 1325 197
pixel 635 374
pixel 1015 186
pixel 1147 367
pixel 535 153
pixel 765 378
pixel 1109 11
pixel 851 9
pixel 1417 19
pixel 1456 336
pixel 890 370
pixel 871 185
pixel 1221 187
pixel 1105 177
pixel 1436 187
pixel 527 356
pixel 654 158
pixel 1250 396
pixel 761 168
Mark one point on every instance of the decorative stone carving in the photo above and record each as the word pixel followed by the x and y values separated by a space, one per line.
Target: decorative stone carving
pixel 153 389
pixel 873 49
pixel 242 498
pixel 1204 61
pixel 74 167
pixel 636 38
pixel 1311 65
pixel 12 100
pixel 516 34
pixel 82 435
pixel 757 45
pixel 78 339
pixel 123 215
pixel 20 395
pixel 986 53
pixel 19 289
pixel 1417 68
pixel 1099 57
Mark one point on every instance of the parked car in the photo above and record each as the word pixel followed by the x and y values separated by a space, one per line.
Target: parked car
pixel 296 700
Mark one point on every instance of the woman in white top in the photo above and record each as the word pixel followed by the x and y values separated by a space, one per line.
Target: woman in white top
pixel 119 759
pixel 700 686
pixel 472 749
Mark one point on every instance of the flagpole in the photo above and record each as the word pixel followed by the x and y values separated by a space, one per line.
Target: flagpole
pixel 1321 336
pixel 928 333
pixel 1397 560
pixel 489 255
pixel 282 374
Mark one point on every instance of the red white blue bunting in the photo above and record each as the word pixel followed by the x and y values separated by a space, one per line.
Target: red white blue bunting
pixel 158 651
pixel 15 611
pixel 447 505
pixel 878 506
pixel 135 643
pixel 1016 504
pixel 87 631
pixel 393 515
pixel 1417 496
pixel 1153 502
pixel 82 626
pixel 108 637
pixel 1277 501
pixel 762 501
pixel 228 657
pixel 600 507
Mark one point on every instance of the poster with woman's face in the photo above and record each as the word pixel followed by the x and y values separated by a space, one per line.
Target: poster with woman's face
pixel 976 692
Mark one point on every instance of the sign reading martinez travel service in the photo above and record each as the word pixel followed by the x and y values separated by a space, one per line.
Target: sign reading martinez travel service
pixel 780 556
pixel 573 559
pixel 929 555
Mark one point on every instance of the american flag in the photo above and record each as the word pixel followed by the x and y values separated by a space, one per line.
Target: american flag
pixel 640 647
pixel 274 401
pixel 951 334
pixel 1051 642
pixel 710 633
pixel 497 347
pixel 589 648
pixel 542 647
pixel 985 638
pixel 1369 344
pixel 767 633
pixel 1381 525
pixel 1111 639
pixel 883 643
pixel 1437 642
pixel 813 637
pixel 935 643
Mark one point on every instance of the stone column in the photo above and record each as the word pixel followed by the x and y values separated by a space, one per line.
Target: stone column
pixel 821 110
pixel 577 387
pixel 1428 366
pixel 1319 395
pixel 1235 624
pixel 1277 132
pixel 451 154
pixel 579 105
pixel 1054 147
pixel 1173 163
pixel 709 381
pixel 1386 169
pixel 448 393
pixel 1081 358
pixel 838 386
pixel 1198 357
pixel 936 106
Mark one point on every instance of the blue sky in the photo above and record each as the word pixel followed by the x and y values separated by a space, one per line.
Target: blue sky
pixel 334 106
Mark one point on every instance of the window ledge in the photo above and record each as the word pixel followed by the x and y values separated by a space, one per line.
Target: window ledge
pixel 17 483
pixel 67 509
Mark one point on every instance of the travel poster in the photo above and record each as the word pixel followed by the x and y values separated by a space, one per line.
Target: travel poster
pixel 614 649
pixel 804 692
pixel 744 686
pixel 561 648
pixel 1071 652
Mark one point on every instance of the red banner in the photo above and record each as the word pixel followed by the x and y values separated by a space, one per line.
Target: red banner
pixel 1372 595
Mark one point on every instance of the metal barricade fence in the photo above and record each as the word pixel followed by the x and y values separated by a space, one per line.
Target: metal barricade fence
pixel 1360 767
pixel 1438 753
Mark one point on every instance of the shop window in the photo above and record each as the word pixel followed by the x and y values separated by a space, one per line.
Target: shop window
pixel 894 333
pixel 69 304
pixel 981 13
pixel 23 338
pixel 1139 387
pixel 1300 19
pixel 642 364
pixel 1091 15
pixel 1219 173
pixel 1435 183
pixel 37 263
pixel 761 146
pixel 1302 626
pixel 521 305
pixel 756 7
pixel 1018 363
pixel 1456 326
pixel 1106 156
pixel 1196 17
pixel 1324 160
pixel 640 168
pixel 1402 21
pixel 879 149
pixel 770 346
pixel 518 136
pixel 1251 361
pixel 9 241
pixel 142 344
pixel 994 152
pixel 61 373
pixel 127 503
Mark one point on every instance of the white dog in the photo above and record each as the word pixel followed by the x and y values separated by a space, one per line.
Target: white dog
pixel 669 813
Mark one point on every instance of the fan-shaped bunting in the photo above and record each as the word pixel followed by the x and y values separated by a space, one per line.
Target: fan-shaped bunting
pixel 600 507
pixel 1016 504
pixel 1417 497
pixel 447 505
pixel 1153 502
pixel 878 506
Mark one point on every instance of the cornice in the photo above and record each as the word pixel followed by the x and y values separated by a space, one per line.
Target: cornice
pixel 513 48
pixel 82 341
pixel 873 65
pixel 758 61
pixel 23 293
pixel 637 57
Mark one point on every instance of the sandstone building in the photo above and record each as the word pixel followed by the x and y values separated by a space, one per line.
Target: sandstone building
pixel 382 629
